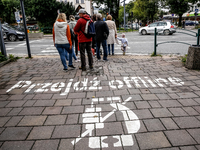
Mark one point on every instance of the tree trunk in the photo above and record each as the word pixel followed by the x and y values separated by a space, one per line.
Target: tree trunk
pixel 180 19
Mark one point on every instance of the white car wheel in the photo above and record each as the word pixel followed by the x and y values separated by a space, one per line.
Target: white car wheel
pixel 144 32
pixel 166 32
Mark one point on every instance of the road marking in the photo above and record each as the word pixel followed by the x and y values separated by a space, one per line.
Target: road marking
pixel 49 51
pixel 9 49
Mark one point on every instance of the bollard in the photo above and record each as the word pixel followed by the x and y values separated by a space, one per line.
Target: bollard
pixel 155 40
pixel 2 45
pixel 198 37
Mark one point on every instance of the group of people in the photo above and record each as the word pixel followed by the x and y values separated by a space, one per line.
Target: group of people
pixel 65 35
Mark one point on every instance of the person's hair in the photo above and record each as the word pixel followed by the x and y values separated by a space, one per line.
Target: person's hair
pixel 98 16
pixel 94 17
pixel 123 34
pixel 71 18
pixel 62 16
pixel 109 17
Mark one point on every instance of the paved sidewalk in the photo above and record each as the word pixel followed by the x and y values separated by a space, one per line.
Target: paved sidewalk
pixel 126 103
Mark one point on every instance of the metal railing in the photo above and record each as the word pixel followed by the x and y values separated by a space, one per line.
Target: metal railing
pixel 156 33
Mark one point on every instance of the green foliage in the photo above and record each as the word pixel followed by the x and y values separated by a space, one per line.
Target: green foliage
pixel 153 55
pixel 45 11
pixel 184 58
pixel 28 58
pixel 13 58
pixel 178 7
pixel 114 8
pixel 121 14
pixel 2 57
pixel 145 9
pixel 8 8
pixel 128 9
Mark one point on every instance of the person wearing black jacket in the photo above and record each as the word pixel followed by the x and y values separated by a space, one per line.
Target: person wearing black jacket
pixel 102 33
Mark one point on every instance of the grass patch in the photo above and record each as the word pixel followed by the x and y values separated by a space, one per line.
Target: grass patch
pixel 184 59
pixel 2 57
pixel 28 58
pixel 127 30
pixel 13 58
pixel 153 55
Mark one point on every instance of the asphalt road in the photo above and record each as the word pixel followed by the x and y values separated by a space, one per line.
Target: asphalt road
pixel 138 44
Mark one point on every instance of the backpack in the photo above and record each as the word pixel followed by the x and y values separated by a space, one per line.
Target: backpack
pixel 89 29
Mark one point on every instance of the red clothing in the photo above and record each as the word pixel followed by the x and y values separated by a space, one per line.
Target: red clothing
pixel 80 27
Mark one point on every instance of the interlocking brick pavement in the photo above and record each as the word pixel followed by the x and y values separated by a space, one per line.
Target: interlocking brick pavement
pixel 126 103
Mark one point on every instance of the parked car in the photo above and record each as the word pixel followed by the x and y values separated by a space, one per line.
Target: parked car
pixel 127 27
pixel 33 27
pixel 136 26
pixel 189 23
pixel 167 28
pixel 12 33
pixel 197 23
pixel 19 28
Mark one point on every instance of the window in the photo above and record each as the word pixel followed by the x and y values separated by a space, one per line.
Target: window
pixel 82 1
pixel 162 24
pixel 153 25
pixel 77 1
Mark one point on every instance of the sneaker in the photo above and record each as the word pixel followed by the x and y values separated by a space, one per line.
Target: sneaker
pixel 105 59
pixel 77 60
pixel 65 70
pixel 71 66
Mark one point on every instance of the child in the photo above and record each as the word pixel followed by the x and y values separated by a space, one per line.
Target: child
pixel 124 43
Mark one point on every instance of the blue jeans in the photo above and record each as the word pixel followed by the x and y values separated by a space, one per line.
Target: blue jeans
pixel 73 54
pixel 63 49
pixel 105 51
pixel 112 46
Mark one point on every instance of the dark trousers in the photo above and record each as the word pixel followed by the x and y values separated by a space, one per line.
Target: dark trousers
pixel 82 47
pixel 76 44
pixel 105 51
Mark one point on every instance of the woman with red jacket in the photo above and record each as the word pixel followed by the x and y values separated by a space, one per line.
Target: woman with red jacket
pixel 62 39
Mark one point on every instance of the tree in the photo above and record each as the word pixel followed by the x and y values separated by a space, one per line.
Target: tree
pixel 128 9
pixel 145 9
pixel 178 7
pixel 8 8
pixel 114 8
pixel 46 16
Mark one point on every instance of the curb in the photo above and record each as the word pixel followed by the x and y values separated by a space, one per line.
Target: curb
pixel 4 62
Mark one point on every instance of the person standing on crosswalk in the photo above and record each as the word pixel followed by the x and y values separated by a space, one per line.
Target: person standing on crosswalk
pixel 62 40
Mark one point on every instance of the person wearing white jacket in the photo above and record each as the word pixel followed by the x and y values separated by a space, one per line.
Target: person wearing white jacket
pixel 62 40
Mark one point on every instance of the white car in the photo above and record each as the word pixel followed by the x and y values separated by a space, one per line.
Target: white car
pixel 167 28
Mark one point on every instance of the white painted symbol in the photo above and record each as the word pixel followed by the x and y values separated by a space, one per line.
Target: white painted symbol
pixel 94 85
pixel 93 118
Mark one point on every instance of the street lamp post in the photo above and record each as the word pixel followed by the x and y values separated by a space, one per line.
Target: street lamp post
pixel 25 28
pixel 124 16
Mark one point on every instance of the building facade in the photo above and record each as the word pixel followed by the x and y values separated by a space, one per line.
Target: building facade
pixel 86 4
